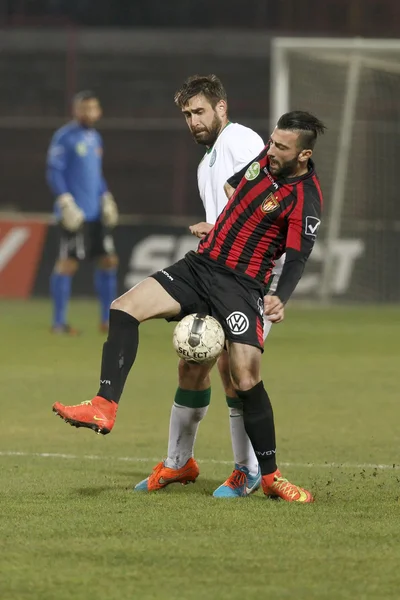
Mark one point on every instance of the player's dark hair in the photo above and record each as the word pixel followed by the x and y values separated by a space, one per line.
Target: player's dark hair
pixel 84 95
pixel 308 126
pixel 208 85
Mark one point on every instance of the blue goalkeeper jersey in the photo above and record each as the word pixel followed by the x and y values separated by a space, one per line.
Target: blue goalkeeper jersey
pixel 74 166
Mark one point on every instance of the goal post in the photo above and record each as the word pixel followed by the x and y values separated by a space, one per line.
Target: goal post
pixel 353 85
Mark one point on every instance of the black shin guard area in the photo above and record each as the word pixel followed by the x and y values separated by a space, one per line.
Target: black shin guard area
pixel 119 353
pixel 259 424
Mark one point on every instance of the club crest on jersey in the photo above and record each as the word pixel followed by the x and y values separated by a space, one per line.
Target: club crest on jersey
pixel 269 204
pixel 81 149
pixel 213 158
pixel 253 171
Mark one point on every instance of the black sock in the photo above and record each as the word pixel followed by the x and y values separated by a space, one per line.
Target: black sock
pixel 119 353
pixel 259 424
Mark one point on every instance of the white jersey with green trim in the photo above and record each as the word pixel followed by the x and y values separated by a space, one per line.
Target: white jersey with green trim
pixel 234 148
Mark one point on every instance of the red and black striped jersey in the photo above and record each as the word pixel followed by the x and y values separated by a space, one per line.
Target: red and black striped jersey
pixel 264 218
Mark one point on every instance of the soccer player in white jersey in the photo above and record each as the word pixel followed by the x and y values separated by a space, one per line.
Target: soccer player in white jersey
pixel 230 147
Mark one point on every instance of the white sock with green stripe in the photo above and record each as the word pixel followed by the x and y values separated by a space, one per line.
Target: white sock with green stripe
pixel 189 408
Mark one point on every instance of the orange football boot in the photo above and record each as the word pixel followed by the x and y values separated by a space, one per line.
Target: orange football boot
pixel 97 414
pixel 276 486
pixel 163 476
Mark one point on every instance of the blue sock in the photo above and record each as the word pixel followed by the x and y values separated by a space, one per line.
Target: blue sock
pixel 60 289
pixel 106 288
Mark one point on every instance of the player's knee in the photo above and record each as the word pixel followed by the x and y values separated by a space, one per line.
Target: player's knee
pixel 119 304
pixel 107 262
pixel 193 377
pixel 130 304
pixel 244 378
pixel 66 266
pixel 244 362
pixel 147 300
pixel 245 383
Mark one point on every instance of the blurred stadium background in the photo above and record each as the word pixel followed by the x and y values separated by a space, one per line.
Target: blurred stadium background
pixel 69 527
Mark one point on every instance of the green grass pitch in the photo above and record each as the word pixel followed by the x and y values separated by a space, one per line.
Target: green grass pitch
pixel 71 528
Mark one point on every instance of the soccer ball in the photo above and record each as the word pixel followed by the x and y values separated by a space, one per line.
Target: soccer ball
pixel 198 338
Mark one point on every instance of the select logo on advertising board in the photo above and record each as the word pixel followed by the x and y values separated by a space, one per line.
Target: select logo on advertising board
pixel 146 248
pixel 21 244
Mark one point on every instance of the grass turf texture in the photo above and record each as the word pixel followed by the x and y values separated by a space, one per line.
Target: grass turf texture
pixel 70 528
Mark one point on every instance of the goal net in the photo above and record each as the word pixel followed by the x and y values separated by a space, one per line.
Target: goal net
pixel 353 85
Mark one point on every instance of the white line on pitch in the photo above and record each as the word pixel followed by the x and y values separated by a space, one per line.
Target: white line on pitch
pixel 326 465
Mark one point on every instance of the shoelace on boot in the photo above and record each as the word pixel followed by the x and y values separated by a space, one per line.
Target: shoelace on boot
pixel 237 479
pixel 283 485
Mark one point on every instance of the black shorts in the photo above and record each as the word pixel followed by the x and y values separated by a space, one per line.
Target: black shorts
pixel 91 241
pixel 202 285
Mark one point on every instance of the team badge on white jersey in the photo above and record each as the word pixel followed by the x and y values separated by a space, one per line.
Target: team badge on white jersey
pixel 213 158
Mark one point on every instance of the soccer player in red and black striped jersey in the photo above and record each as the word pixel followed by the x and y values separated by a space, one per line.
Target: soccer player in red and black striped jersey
pixel 274 207
pixel 277 208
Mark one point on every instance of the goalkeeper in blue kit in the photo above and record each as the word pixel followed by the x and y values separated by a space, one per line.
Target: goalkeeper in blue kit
pixel 85 210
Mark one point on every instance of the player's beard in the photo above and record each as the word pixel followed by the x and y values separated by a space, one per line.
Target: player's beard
pixel 208 135
pixel 285 169
pixel 88 123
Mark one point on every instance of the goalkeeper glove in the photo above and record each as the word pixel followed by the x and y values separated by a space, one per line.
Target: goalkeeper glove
pixel 109 210
pixel 72 216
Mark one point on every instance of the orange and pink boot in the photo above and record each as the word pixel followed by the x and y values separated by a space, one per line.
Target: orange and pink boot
pixel 276 486
pixel 97 414
pixel 162 476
